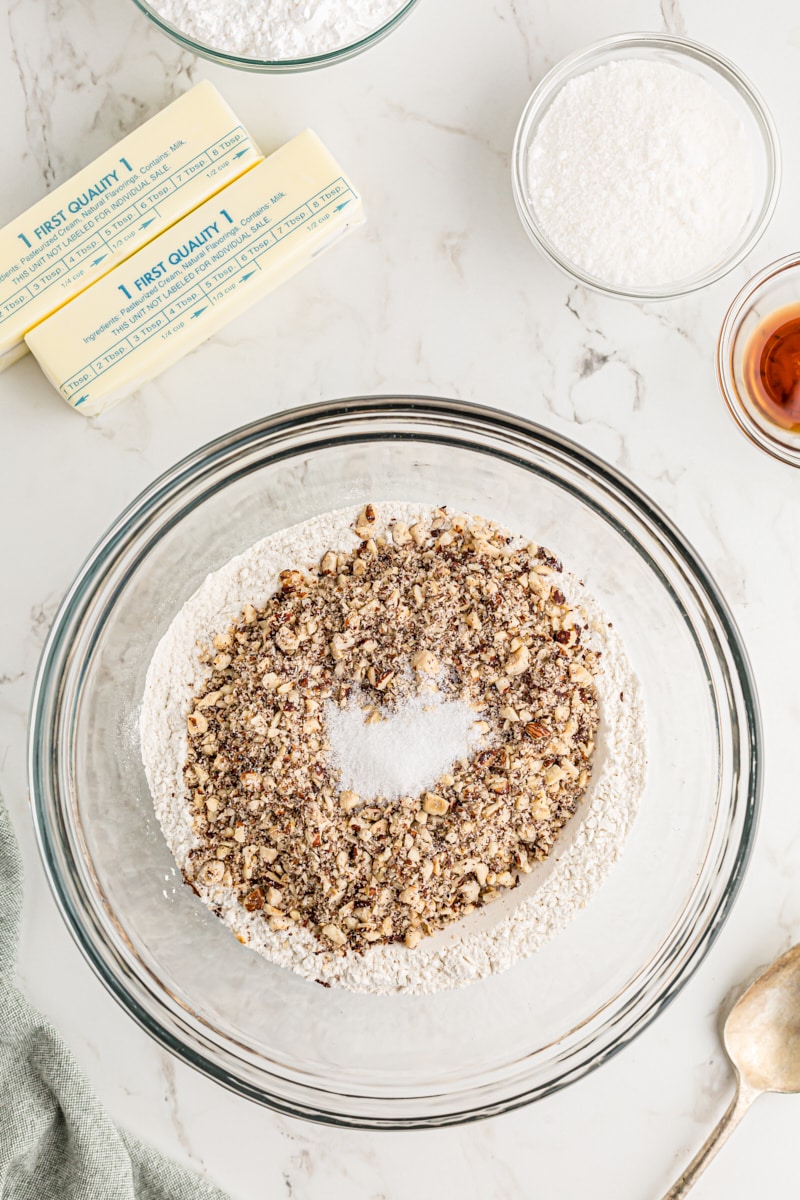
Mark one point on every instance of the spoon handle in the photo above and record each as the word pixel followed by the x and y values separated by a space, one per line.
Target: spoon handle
pixel 738 1106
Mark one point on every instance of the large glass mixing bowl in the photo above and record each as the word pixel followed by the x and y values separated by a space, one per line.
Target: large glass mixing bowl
pixel 394 1061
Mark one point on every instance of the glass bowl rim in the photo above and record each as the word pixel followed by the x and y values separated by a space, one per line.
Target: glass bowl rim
pixel 277 66
pixel 643 1004
pixel 593 55
pixel 771 443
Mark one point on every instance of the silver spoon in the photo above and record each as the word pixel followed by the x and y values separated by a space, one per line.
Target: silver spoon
pixel 762 1038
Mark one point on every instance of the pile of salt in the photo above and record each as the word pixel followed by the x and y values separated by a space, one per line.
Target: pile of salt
pixel 404 753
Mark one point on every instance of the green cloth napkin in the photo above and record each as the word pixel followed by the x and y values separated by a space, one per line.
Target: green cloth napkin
pixel 56 1140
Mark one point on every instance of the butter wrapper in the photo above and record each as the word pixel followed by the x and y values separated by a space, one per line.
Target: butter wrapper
pixel 78 232
pixel 196 277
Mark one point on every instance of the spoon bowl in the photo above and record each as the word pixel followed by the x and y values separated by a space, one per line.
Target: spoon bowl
pixel 762 1039
pixel 762 1032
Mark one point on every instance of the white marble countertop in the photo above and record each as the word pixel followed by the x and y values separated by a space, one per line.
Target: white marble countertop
pixel 443 294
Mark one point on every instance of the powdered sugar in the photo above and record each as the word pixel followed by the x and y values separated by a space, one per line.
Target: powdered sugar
pixel 641 173
pixel 492 938
pixel 276 30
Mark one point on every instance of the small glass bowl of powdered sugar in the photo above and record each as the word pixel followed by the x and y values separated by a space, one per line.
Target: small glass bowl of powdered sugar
pixel 645 166
pixel 276 35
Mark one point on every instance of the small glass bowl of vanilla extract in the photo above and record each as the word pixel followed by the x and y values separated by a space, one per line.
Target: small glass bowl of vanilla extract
pixel 758 359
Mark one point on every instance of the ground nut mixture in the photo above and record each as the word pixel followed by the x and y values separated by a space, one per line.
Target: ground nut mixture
pixel 351 623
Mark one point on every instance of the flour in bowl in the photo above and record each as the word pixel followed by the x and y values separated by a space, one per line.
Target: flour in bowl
pixel 277 30
pixel 452 865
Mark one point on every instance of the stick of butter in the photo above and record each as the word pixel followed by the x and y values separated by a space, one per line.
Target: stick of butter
pixel 116 205
pixel 184 286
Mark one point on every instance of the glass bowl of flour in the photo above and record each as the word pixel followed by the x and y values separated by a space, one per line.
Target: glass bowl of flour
pixel 512 1000
pixel 645 166
pixel 276 35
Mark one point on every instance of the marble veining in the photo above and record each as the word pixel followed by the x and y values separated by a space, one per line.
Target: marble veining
pixel 673 18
